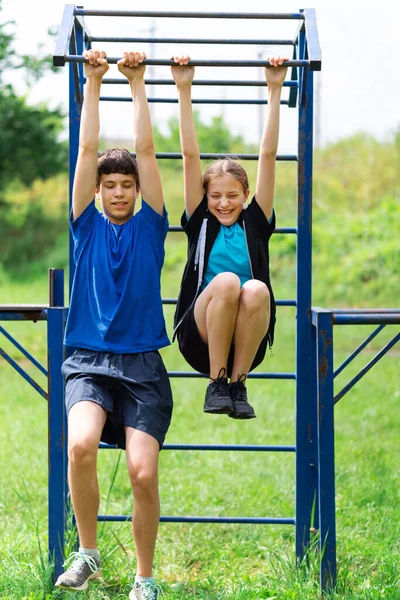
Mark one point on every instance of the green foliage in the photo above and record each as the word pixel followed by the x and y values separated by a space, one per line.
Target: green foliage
pixel 215 137
pixel 29 146
pixel 29 135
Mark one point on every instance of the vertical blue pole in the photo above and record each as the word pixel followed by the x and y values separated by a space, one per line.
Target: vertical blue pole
pixel 74 126
pixel 57 480
pixel 305 380
pixel 326 446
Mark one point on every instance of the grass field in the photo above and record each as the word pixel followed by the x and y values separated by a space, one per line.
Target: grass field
pixel 216 562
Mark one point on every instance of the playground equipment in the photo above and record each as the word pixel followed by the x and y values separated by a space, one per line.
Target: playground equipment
pixel 314 374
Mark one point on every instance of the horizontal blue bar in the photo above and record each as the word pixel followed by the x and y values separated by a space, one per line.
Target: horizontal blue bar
pixel 169 301
pixel 242 520
pixel 202 82
pixel 24 352
pixel 292 230
pixel 186 15
pixel 14 315
pixel 153 40
pixel 364 311
pixel 216 155
pixel 165 62
pixel 214 447
pixel 194 100
pixel 187 374
pixel 23 373
pixel 366 319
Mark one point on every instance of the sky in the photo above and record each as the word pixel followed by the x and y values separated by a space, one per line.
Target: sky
pixel 357 90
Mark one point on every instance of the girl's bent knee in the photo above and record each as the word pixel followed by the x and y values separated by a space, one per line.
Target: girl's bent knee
pixel 255 294
pixel 226 284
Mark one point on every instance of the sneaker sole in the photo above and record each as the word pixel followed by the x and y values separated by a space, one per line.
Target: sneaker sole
pixel 82 587
pixel 242 416
pixel 223 410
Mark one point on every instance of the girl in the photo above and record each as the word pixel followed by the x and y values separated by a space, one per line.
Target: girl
pixel 225 315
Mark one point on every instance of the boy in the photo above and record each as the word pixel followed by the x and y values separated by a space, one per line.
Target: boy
pixel 117 388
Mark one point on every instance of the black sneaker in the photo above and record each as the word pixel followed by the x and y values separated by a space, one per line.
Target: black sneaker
pixel 241 407
pixel 218 400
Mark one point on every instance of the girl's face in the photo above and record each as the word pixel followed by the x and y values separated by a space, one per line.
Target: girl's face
pixel 225 199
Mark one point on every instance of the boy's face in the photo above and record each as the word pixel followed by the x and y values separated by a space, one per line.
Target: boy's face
pixel 118 193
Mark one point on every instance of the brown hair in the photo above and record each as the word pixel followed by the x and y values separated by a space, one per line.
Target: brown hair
pixel 117 160
pixel 225 166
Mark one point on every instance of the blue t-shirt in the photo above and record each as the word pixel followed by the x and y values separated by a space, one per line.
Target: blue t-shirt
pixel 116 294
pixel 228 253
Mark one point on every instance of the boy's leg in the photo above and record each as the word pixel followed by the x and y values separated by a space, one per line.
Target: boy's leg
pixel 85 425
pixel 215 313
pixel 142 454
pixel 251 325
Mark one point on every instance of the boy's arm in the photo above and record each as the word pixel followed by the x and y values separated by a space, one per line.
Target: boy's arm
pixel 149 176
pixel 86 166
pixel 265 186
pixel 193 181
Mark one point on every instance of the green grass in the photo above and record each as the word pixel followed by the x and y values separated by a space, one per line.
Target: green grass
pixel 216 562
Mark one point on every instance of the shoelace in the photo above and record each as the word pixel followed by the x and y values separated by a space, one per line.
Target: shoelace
pixel 78 560
pixel 239 389
pixel 151 590
pixel 220 383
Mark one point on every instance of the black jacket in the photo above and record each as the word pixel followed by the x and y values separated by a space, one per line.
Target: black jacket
pixel 202 229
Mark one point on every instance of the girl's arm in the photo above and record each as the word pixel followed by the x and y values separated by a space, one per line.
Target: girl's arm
pixel 192 176
pixel 265 187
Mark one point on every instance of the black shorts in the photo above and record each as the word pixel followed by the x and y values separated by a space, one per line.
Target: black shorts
pixel 195 350
pixel 134 389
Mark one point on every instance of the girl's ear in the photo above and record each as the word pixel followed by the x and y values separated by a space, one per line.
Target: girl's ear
pixel 247 195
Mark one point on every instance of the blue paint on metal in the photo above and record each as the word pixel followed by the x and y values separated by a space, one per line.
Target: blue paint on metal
pixel 314 52
pixel 358 350
pixel 243 520
pixel 214 447
pixel 57 487
pixel 367 367
pixel 201 82
pixel 294 82
pixel 194 100
pixel 74 125
pixel 256 375
pixel 25 352
pixel 152 40
pixel 187 15
pixel 56 287
pixel 215 155
pixel 23 373
pixel 64 34
pixel 289 230
pixel 304 364
pixel 23 314
pixel 367 319
pixel 169 301
pixel 326 442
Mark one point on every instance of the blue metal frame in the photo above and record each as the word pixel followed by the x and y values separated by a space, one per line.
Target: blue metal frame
pixel 306 446
pixel 323 321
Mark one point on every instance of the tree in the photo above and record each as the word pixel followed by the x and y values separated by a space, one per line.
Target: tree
pixel 29 142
